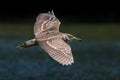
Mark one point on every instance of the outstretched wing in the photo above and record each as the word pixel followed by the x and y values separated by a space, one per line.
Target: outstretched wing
pixel 58 50
pixel 46 21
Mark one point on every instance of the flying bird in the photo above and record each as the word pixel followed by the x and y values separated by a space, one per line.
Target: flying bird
pixel 51 40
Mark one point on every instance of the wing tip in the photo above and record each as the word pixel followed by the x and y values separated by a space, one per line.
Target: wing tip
pixel 68 63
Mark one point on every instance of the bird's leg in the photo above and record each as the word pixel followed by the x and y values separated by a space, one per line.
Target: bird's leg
pixel 69 37
pixel 28 43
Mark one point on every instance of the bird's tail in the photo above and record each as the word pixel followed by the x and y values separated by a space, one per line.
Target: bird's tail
pixel 28 43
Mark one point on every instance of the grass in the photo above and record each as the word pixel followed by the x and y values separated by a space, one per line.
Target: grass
pixel 97 57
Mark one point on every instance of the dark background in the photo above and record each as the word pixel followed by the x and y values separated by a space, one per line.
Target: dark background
pixel 79 10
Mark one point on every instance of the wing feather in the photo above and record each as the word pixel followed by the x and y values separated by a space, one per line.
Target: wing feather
pixel 46 21
pixel 58 50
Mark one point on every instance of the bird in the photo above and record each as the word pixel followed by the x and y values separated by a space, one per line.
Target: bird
pixel 48 36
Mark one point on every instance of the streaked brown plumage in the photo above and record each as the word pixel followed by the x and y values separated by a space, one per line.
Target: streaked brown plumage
pixel 48 36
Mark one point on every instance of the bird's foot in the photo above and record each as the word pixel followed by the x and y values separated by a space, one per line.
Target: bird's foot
pixel 69 37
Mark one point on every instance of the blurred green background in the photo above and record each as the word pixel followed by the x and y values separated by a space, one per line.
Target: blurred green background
pixel 108 31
